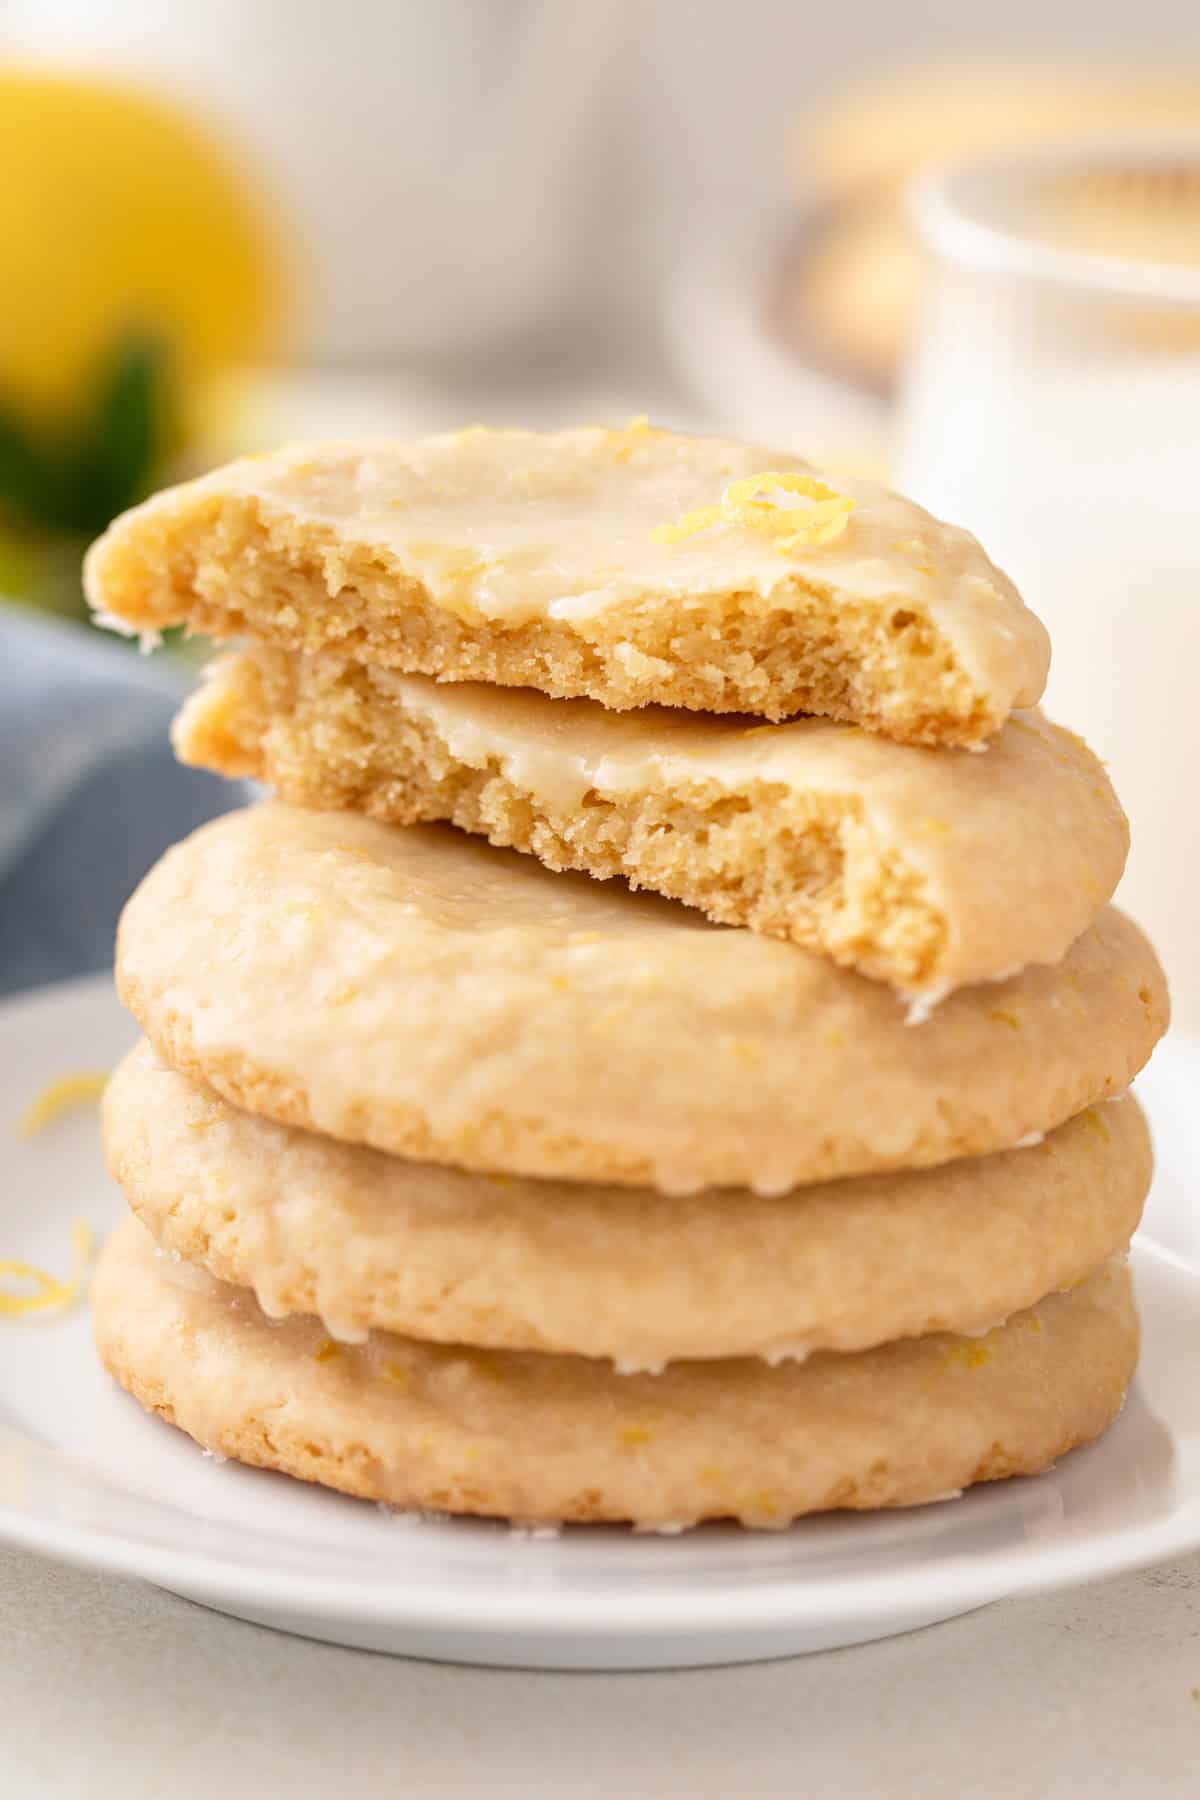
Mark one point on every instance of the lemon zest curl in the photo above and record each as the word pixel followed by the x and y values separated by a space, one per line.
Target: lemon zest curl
pixel 61 1096
pixel 49 1293
pixel 790 528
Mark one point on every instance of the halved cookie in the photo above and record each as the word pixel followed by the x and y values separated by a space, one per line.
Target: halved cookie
pixel 415 989
pixel 929 869
pixel 630 566
pixel 555 1438
pixel 369 1241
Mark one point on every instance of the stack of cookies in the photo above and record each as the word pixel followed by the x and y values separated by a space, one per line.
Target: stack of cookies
pixel 764 1174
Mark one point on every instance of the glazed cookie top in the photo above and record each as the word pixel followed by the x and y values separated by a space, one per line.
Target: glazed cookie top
pixel 423 992
pixel 369 1241
pixel 929 869
pixel 668 555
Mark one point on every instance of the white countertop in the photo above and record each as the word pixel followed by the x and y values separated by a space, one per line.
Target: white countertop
pixel 112 1689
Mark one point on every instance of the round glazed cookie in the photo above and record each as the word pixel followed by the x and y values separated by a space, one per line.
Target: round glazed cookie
pixel 420 991
pixel 370 1241
pixel 928 869
pixel 519 1435
pixel 631 566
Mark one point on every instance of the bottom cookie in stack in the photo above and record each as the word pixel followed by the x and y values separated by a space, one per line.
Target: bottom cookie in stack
pixel 525 1436
pixel 757 1325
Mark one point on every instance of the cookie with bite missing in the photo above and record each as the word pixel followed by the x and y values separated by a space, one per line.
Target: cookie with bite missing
pixel 631 567
pixel 929 869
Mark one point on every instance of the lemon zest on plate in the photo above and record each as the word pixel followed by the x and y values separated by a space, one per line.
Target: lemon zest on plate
pixel 60 1096
pixel 789 527
pixel 49 1293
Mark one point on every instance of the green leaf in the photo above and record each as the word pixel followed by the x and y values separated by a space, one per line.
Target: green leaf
pixel 109 459
pixel 26 483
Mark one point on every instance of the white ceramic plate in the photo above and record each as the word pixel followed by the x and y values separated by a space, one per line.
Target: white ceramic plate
pixel 85 1475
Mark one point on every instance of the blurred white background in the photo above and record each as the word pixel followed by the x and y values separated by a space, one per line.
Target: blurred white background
pixel 664 123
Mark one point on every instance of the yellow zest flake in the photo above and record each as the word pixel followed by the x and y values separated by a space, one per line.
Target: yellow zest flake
pixel 1033 1323
pixel 624 441
pixel 825 519
pixel 747 1052
pixel 328 1351
pixel 49 1293
pixel 790 528
pixel 396 1372
pixel 917 554
pixel 687 525
pixel 61 1096
pixel 972 1356
pixel 1000 1017
pixel 633 1435
pixel 343 995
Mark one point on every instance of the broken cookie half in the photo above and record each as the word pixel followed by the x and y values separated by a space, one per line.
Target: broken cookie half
pixel 926 869
pixel 632 567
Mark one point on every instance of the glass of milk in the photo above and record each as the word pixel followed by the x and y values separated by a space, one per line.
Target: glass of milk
pixel 1052 406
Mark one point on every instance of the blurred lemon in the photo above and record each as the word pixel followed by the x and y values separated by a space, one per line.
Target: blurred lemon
pixel 119 216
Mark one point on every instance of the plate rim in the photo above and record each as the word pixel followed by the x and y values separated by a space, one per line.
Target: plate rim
pixel 790 1600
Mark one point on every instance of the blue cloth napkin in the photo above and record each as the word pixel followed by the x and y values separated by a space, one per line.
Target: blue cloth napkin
pixel 90 793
